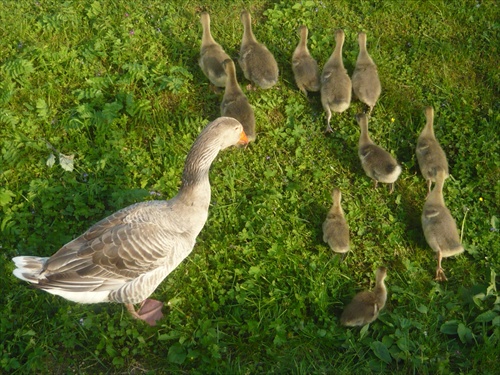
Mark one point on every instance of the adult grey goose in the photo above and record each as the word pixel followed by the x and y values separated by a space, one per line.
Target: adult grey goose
pixel 212 55
pixel 305 68
pixel 124 257
pixel 365 80
pixel 377 163
pixel 440 229
pixel 335 228
pixel 256 61
pixel 365 306
pixel 235 103
pixel 336 86
pixel 431 157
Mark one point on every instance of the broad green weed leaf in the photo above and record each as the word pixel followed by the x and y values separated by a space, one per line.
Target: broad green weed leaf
pixel 464 333
pixel 496 322
pixel 176 354
pixel 6 197
pixel 423 309
pixel 363 331
pixel 450 327
pixel 487 316
pixel 381 351
pixel 254 270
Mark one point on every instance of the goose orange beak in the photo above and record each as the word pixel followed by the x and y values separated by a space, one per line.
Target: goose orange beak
pixel 243 139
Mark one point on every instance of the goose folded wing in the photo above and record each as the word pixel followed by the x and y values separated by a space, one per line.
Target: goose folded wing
pixel 110 253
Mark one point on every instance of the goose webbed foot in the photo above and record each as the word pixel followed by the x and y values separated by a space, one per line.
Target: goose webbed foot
pixel 440 276
pixel 150 311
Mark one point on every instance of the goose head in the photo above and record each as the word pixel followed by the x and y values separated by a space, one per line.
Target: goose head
pixel 227 131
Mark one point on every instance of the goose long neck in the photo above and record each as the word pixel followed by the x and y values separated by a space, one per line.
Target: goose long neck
pixel 303 38
pixel 195 182
pixel 206 38
pixel 380 289
pixel 364 56
pixel 231 82
pixel 436 195
pixel 336 206
pixel 337 52
pixel 248 35
pixel 365 136
pixel 429 126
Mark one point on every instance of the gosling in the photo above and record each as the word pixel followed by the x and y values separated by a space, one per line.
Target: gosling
pixel 365 306
pixel 431 157
pixel 305 68
pixel 335 228
pixel 377 163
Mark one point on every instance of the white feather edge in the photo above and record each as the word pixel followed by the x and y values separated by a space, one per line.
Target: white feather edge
pixel 22 264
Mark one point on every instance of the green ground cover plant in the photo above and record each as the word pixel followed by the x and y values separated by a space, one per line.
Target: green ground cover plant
pixel 99 105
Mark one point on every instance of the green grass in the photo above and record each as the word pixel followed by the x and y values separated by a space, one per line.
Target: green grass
pixel 117 86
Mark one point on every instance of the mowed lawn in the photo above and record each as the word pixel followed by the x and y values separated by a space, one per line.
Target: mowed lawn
pixel 99 105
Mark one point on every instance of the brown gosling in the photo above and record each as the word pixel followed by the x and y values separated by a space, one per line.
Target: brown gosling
pixel 439 227
pixel 305 68
pixel 365 80
pixel 212 55
pixel 365 306
pixel 377 163
pixel 257 62
pixel 335 228
pixel 431 157
pixel 336 87
pixel 235 103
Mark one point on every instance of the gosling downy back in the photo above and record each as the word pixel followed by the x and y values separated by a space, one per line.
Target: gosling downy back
pixel 377 163
pixel 257 62
pixel 365 80
pixel 336 87
pixel 235 103
pixel 212 55
pixel 305 68
pixel 335 228
pixel 431 157
pixel 440 229
pixel 365 306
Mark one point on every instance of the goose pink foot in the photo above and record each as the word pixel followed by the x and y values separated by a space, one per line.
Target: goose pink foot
pixel 150 311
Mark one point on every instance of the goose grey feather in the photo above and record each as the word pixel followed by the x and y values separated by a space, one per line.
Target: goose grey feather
pixel 377 163
pixel 257 62
pixel 431 157
pixel 365 80
pixel 305 68
pixel 335 228
pixel 212 55
pixel 366 306
pixel 440 229
pixel 124 257
pixel 235 103
pixel 336 86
